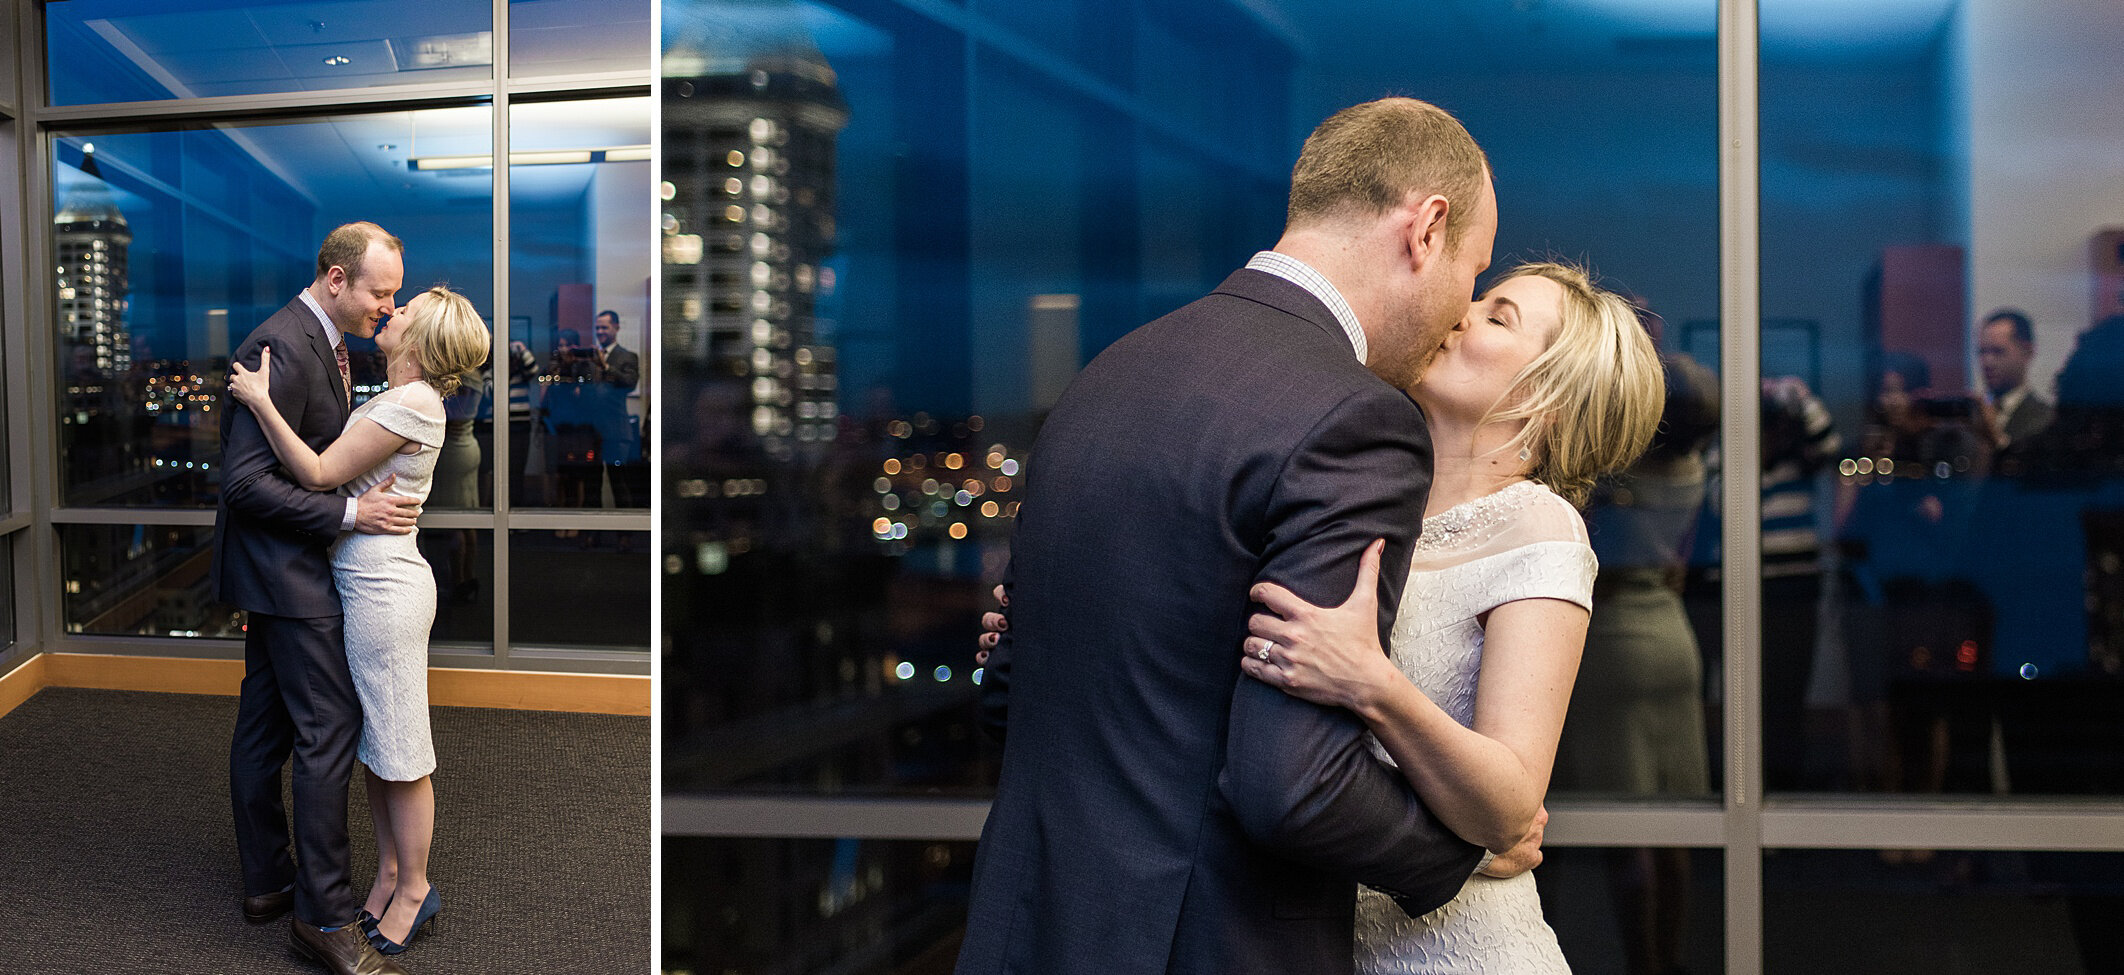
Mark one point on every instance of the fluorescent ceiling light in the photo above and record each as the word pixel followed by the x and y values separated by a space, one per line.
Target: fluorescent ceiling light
pixel 549 158
pixel 540 157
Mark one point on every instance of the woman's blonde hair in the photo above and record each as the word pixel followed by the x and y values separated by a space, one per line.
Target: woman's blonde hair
pixel 1592 399
pixel 447 339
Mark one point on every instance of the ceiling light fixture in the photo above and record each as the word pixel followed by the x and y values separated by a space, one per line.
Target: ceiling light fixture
pixel 543 157
pixel 338 59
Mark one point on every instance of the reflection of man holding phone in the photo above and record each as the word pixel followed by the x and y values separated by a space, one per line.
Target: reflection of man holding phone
pixel 617 371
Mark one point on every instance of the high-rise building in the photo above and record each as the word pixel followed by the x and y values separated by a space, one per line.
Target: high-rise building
pixel 751 115
pixel 90 238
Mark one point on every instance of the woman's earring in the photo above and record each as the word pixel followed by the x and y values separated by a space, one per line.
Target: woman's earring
pixel 1526 453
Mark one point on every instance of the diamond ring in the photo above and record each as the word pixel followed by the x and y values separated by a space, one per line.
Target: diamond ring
pixel 1263 653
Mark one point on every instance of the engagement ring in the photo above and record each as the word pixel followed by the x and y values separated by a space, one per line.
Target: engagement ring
pixel 1263 653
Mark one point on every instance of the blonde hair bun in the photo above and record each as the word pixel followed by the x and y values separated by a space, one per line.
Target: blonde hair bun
pixel 1592 399
pixel 448 340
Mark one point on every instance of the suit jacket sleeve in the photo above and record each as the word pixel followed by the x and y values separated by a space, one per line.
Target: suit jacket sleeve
pixel 1297 775
pixel 623 369
pixel 252 479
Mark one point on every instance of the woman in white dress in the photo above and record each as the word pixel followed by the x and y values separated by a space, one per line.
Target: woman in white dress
pixel 386 590
pixel 1548 383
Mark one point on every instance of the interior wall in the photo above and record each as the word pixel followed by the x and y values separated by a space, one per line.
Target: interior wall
pixel 617 235
pixel 2046 159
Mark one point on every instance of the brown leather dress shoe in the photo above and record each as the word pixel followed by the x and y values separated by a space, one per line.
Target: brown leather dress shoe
pixel 261 908
pixel 343 952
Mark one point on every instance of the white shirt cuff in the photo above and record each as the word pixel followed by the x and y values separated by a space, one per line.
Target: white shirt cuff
pixel 1487 856
pixel 346 523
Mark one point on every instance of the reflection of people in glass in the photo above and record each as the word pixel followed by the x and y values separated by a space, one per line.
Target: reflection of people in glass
pixel 524 395
pixel 1546 385
pixel 1917 624
pixel 386 588
pixel 1636 722
pixel 1798 441
pixel 270 559
pixel 569 437
pixel 457 477
pixel 2053 520
pixel 2005 347
pixel 618 371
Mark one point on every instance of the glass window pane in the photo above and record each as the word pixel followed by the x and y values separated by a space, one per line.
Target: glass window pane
pixel 579 262
pixel 563 37
pixel 1097 35
pixel 148 52
pixel 879 906
pixel 1943 271
pixel 8 92
pixel 818 336
pixel 148 580
pixel 975 231
pixel 1940 912
pixel 579 588
pixel 173 244
pixel 152 580
pixel 1636 909
pixel 463 562
pixel 814 906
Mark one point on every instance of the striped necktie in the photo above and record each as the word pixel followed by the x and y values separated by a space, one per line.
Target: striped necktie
pixel 346 378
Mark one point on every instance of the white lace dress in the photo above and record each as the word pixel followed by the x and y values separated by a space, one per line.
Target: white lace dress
pixel 1521 542
pixel 387 593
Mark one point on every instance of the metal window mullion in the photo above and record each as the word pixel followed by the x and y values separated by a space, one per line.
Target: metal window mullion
pixel 22 589
pixel 268 104
pixel 188 517
pixel 35 446
pixel 1871 823
pixel 1740 328
pixel 497 352
pixel 603 84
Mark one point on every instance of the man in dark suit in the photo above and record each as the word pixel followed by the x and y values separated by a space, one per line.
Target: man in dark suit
pixel 2005 349
pixel 619 370
pixel 1155 812
pixel 270 537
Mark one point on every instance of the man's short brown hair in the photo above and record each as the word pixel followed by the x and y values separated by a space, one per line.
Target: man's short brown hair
pixel 348 243
pixel 1365 159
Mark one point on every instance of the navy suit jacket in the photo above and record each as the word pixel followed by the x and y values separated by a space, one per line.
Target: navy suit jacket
pixel 270 535
pixel 1157 811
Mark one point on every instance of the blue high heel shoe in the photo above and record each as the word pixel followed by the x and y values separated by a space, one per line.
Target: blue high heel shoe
pixel 422 922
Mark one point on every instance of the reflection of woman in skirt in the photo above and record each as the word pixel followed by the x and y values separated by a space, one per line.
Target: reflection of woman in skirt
pixel 457 484
pixel 1636 722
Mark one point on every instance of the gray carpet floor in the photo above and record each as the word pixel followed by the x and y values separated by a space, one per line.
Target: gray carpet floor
pixel 117 854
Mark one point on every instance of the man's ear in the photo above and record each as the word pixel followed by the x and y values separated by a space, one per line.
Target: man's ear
pixel 336 279
pixel 1427 229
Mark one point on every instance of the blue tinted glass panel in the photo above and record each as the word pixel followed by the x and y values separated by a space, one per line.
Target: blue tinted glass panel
pixel 580 191
pixel 146 50
pixel 1942 532
pixel 172 245
pixel 890 241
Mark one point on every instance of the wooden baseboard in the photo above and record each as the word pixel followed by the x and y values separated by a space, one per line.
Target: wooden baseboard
pixel 122 672
pixel 447 686
pixel 21 683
